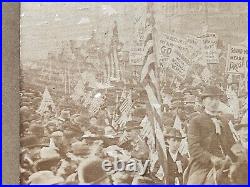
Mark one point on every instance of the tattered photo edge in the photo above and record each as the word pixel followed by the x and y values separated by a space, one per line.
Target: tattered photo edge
pixel 10 92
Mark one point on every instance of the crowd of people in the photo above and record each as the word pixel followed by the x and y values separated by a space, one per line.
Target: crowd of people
pixel 67 142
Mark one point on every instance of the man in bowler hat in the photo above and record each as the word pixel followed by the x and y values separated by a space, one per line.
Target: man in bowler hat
pixel 209 140
pixel 177 163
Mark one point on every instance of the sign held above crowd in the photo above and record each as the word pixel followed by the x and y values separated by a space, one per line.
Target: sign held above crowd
pixel 237 59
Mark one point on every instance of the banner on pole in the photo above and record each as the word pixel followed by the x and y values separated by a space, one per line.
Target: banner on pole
pixel 237 59
pixel 194 45
pixel 136 52
pixel 165 45
pixel 209 48
pixel 179 63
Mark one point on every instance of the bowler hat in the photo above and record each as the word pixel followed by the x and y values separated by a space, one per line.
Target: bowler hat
pixel 65 114
pixel 36 129
pixel 45 177
pixel 34 117
pixel 79 119
pixel 173 133
pixel 90 171
pixel 46 163
pixel 31 141
pixel 80 148
pixel 211 91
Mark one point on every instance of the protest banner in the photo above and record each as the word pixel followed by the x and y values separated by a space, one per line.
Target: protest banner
pixel 237 59
pixel 179 63
pixel 209 48
pixel 194 45
pixel 137 44
pixel 165 45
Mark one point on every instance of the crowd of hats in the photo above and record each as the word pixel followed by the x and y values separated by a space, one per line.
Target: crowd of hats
pixel 67 147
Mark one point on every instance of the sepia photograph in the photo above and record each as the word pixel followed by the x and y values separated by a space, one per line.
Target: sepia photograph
pixel 133 93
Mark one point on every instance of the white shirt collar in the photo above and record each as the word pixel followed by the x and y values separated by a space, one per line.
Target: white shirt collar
pixel 173 155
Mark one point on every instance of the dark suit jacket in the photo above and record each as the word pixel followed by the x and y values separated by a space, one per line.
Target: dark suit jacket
pixel 173 170
pixel 203 142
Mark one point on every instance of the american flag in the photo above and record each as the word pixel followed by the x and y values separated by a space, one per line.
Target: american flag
pixel 150 81
pixel 111 61
pixel 95 105
pixel 126 105
pixel 125 108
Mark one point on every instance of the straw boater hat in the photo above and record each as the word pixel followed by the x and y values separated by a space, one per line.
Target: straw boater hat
pixel 57 134
pixel 45 177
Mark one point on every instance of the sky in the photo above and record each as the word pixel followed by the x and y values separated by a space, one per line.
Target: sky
pixel 45 25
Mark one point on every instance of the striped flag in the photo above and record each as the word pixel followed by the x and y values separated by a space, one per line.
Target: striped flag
pixel 124 138
pixel 150 81
pixel 126 104
pixel 46 103
pixel 112 63
pixel 79 91
pixel 95 105
pixel 125 109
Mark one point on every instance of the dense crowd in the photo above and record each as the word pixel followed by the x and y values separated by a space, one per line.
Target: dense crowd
pixel 68 143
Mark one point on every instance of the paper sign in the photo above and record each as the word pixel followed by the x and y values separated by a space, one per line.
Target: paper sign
pixel 136 52
pixel 179 63
pixel 165 46
pixel 209 48
pixel 237 59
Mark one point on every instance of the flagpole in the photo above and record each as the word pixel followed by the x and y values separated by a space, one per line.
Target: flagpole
pixel 156 118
